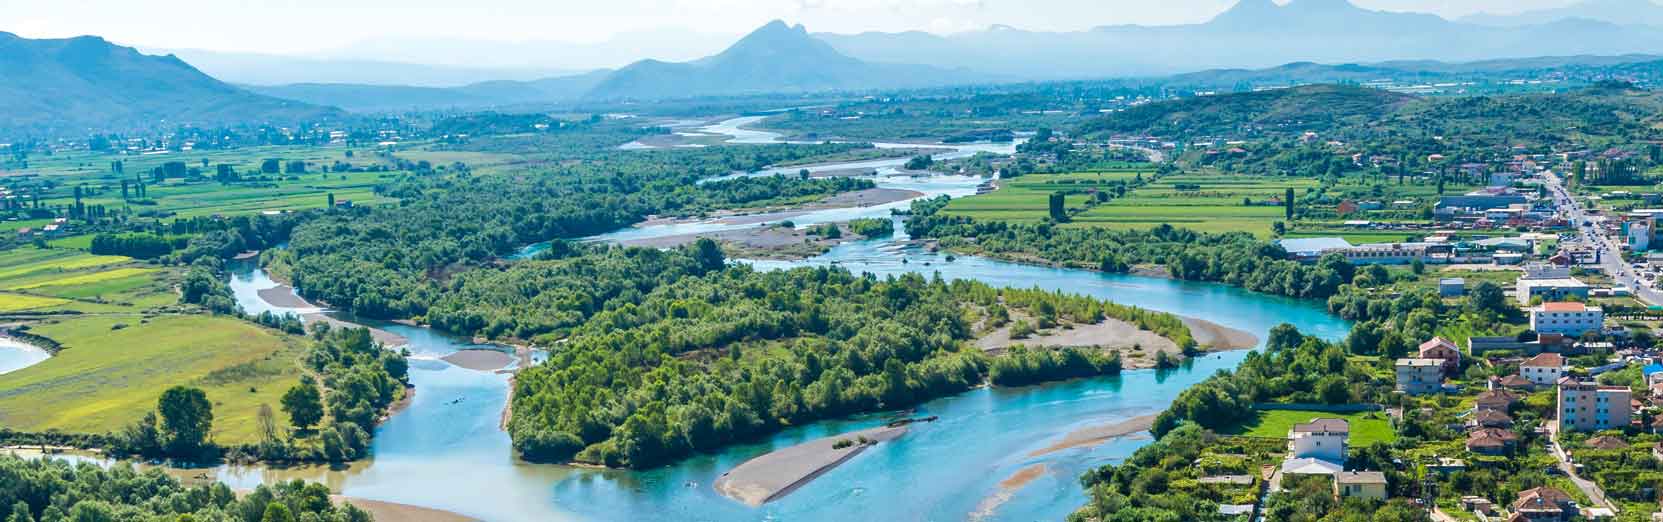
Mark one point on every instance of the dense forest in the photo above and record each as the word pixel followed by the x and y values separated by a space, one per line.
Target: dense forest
pixel 51 490
pixel 670 352
pixel 388 262
pixel 1234 258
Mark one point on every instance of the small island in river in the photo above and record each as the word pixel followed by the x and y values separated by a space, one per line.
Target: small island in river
pixel 777 473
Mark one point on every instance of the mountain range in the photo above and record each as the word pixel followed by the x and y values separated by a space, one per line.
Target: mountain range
pixel 1619 12
pixel 1252 34
pixel 66 86
pixel 775 58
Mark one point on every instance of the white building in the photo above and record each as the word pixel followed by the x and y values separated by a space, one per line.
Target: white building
pixel 1569 319
pixel 1639 236
pixel 1322 439
pixel 1544 369
pixel 1587 406
pixel 1551 289
pixel 1420 376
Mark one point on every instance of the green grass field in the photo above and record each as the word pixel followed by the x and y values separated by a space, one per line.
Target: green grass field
pixel 1205 202
pixel 107 377
pixel 1027 198
pixel 1366 428
pixel 20 302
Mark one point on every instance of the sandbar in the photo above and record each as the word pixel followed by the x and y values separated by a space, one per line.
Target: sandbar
pixel 1094 435
pixel 777 473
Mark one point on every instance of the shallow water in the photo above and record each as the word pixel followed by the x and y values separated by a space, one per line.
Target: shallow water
pixel 446 450
pixel 16 355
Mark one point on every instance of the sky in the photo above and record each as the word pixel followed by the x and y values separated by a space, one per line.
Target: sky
pixel 319 27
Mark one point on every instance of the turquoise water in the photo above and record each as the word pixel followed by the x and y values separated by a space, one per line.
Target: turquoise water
pixel 446 450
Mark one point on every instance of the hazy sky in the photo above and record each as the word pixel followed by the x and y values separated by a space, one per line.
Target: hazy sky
pixel 305 26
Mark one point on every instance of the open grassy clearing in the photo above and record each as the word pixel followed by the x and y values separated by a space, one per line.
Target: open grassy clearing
pixel 90 278
pixel 107 377
pixel 1027 198
pixel 20 302
pixel 1211 203
pixel 24 262
pixel 1366 428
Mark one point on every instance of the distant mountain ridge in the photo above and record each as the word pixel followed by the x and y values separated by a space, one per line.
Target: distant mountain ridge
pixel 65 86
pixel 1620 12
pixel 1252 34
pixel 393 98
pixel 774 58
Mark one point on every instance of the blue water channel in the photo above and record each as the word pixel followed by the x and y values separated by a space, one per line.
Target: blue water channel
pixel 447 450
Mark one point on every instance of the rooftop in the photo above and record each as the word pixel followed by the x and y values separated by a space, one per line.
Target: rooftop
pixel 1413 362
pixel 1313 244
pixel 1566 307
pixel 1360 477
pixel 1320 425
pixel 1550 360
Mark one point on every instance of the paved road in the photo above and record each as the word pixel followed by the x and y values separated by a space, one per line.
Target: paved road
pixel 1588 487
pixel 1611 260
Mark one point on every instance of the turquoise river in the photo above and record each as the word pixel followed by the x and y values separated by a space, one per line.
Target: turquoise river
pixel 447 451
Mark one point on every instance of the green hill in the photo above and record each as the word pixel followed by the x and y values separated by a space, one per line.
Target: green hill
pixel 75 85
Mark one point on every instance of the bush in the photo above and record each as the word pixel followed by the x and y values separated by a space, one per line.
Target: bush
pixel 549 446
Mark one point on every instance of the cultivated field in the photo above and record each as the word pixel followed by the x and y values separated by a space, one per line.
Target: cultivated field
pixel 125 339
pixel 1026 199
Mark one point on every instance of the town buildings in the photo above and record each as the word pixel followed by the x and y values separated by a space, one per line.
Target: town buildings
pixel 1589 406
pixel 1566 318
pixel 1418 376
pixel 1543 369
pixel 1323 439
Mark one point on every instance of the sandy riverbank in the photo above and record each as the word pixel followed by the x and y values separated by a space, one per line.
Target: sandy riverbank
pixel 1094 435
pixel 283 296
pixel 1136 346
pixel 480 359
pixel 1215 336
pixel 853 199
pixel 778 473
pixel 388 511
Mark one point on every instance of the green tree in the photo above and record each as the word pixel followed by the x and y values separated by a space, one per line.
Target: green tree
pixel 1287 203
pixel 1486 296
pixel 1058 212
pixel 186 418
pixel 304 404
pixel 277 512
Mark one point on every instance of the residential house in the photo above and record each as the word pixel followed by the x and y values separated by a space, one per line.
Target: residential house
pixel 1606 443
pixel 1491 441
pixel 1420 376
pixel 1543 369
pixel 1323 439
pixel 1489 419
pixel 1360 484
pixel 1497 400
pixel 1515 382
pixel 1445 350
pixel 1589 406
pixel 1543 504
pixel 1570 319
